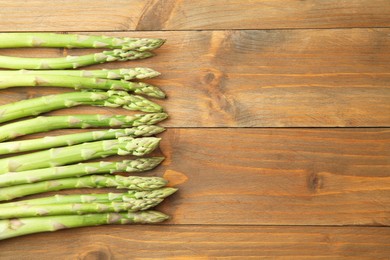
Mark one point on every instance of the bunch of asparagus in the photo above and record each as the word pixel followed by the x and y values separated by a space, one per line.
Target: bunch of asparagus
pixel 55 163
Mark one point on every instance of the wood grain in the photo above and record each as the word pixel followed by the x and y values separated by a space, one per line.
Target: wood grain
pixel 278 176
pixel 202 242
pixel 105 15
pixel 62 15
pixel 282 78
pixel 260 14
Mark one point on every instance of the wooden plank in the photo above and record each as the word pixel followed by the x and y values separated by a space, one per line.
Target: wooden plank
pixel 276 176
pixel 282 78
pixel 260 14
pixel 202 242
pixel 43 15
pixel 46 15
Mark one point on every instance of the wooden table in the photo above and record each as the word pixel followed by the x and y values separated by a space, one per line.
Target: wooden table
pixel 278 134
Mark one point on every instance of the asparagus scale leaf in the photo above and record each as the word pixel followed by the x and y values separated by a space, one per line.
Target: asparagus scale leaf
pixel 78 170
pixel 55 40
pixel 44 124
pixel 24 226
pixel 91 181
pixel 78 153
pixel 76 82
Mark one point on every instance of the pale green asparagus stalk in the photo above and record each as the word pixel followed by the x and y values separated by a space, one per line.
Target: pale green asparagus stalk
pixel 125 74
pixel 78 153
pixel 77 208
pixel 55 40
pixel 161 193
pixel 36 106
pixel 24 226
pixel 78 170
pixel 44 124
pixel 91 181
pixel 48 142
pixel 37 80
pixel 70 62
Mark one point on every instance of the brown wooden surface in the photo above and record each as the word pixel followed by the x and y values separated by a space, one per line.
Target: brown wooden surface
pixel 106 15
pixel 205 242
pixel 255 139
pixel 278 176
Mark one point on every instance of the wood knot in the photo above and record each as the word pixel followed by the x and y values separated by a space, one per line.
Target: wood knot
pixel 175 177
pixel 212 77
pixel 315 181
pixel 209 77
pixel 96 254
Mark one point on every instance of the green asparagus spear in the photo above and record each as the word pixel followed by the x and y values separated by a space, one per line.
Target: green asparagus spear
pixel 78 153
pixel 70 62
pixel 35 80
pixel 48 142
pixel 55 40
pixel 125 74
pixel 94 198
pixel 77 209
pixel 77 170
pixel 24 226
pixel 36 106
pixel 44 124
pixel 91 181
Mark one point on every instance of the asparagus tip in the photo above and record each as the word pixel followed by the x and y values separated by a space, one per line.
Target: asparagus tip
pixel 169 191
pixel 152 216
pixel 158 160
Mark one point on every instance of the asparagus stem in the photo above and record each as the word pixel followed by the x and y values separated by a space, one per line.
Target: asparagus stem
pixel 72 139
pixel 77 170
pixel 77 153
pixel 44 124
pixel 54 40
pixel 77 208
pixel 34 80
pixel 94 198
pixel 125 74
pixel 23 226
pixel 70 62
pixel 91 181
pixel 36 106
